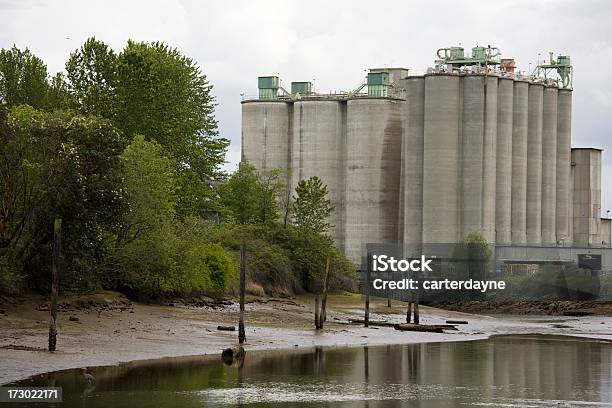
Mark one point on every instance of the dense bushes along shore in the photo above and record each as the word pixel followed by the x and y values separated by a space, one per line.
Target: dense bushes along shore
pixel 124 148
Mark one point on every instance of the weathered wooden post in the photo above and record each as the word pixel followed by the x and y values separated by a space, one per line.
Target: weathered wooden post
pixel 241 334
pixel 366 319
pixel 416 307
pixel 323 315
pixel 56 270
pixel 317 320
pixel 409 310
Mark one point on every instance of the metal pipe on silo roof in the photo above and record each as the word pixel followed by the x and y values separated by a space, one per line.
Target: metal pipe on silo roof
pixel 373 154
pixel 563 211
pixel 549 166
pixel 503 190
pixel 441 159
pixel 519 162
pixel 411 202
pixel 534 164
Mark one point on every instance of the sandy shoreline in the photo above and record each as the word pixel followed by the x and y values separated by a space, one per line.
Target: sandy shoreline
pixel 143 332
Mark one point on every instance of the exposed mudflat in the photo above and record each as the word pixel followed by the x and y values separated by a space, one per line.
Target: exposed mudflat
pixel 106 329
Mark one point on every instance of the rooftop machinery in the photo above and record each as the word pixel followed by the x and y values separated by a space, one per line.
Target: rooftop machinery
pixel 562 67
pixel 455 57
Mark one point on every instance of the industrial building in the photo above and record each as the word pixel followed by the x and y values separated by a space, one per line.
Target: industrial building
pixel 469 146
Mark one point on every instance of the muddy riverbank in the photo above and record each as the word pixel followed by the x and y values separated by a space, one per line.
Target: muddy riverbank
pixel 108 329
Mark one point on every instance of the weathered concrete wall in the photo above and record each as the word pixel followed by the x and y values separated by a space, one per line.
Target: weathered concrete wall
pixel 587 196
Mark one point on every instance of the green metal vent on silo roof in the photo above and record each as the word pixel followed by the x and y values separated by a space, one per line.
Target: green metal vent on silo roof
pixel 268 87
pixel 378 78
pixel 303 88
pixel 378 84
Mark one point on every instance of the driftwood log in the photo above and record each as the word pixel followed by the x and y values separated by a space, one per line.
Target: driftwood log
pixel 381 323
pixel 457 322
pixel 233 354
pixel 433 328
pixel 226 328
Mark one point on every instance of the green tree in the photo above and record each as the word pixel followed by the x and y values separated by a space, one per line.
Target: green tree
pixel 239 195
pixel 92 75
pixel 58 165
pixel 143 255
pixel 163 95
pixel 311 207
pixel 251 197
pixel 23 79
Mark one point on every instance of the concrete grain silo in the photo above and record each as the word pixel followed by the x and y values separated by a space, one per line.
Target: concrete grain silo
pixel 441 154
pixel 519 162
pixel 534 164
pixel 549 166
pixel 472 154
pixel 317 150
pixel 490 158
pixel 587 196
pixel 373 154
pixel 411 208
pixel 266 134
pixel 503 190
pixel 563 212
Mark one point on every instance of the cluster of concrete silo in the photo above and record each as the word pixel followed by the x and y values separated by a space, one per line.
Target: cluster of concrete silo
pixel 436 157
pixel 495 159
pixel 353 144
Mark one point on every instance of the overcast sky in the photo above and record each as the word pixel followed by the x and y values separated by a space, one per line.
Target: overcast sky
pixel 333 42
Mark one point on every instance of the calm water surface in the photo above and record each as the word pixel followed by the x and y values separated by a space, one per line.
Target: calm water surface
pixel 510 371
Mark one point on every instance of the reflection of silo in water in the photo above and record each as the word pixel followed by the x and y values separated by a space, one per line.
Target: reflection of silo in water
pixel 563 211
pixel 503 191
pixel 373 153
pixel 441 159
pixel 317 151
pixel 549 166
pixel 411 207
pixel 265 134
pixel 519 163
pixel 534 164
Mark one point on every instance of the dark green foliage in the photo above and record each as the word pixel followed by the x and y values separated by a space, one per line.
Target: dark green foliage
pixel 125 149
pixel 58 165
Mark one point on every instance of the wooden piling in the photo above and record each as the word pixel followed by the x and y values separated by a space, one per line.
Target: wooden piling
pixel 56 269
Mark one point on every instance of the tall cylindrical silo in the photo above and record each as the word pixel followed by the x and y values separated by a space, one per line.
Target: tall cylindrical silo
pixel 373 154
pixel 317 151
pixel 503 190
pixel 520 103
pixel 563 211
pixel 266 134
pixel 490 159
pixel 472 154
pixel 534 164
pixel 549 166
pixel 411 208
pixel 441 155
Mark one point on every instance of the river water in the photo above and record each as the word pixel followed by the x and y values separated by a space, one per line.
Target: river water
pixel 505 371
